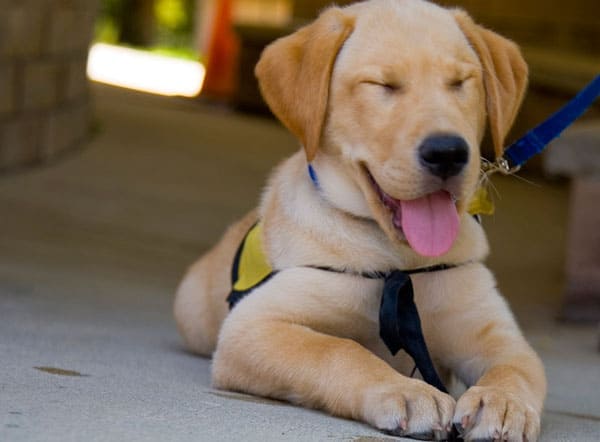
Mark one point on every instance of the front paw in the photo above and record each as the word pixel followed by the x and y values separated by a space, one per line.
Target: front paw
pixel 492 414
pixel 409 408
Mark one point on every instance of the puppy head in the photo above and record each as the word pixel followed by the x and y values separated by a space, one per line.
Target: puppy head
pixel 389 98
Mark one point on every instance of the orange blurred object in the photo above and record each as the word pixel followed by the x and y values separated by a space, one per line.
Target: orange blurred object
pixel 223 54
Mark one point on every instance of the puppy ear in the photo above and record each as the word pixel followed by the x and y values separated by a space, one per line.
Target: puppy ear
pixel 294 73
pixel 504 75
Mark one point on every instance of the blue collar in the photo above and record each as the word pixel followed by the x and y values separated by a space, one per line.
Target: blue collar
pixel 313 176
pixel 536 140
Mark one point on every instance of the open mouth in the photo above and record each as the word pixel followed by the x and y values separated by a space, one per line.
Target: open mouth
pixel 430 223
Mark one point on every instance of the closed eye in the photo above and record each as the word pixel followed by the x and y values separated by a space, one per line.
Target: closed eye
pixel 458 83
pixel 387 87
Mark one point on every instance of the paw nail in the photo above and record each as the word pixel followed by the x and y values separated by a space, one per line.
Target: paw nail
pixel 465 421
pixel 403 424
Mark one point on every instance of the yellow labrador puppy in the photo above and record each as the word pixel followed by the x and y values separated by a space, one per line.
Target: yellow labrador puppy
pixel 389 99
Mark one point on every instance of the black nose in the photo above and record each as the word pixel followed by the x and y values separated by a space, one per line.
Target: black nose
pixel 444 155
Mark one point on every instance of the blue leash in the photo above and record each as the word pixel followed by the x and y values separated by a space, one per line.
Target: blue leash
pixel 536 140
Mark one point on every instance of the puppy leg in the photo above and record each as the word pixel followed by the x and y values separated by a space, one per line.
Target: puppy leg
pixel 482 343
pixel 280 352
pixel 506 402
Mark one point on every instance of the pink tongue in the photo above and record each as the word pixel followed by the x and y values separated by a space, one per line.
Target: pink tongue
pixel 430 223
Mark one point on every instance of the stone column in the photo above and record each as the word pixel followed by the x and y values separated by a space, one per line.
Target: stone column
pixel 44 98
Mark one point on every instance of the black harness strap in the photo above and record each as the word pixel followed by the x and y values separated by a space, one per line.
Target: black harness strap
pixel 400 325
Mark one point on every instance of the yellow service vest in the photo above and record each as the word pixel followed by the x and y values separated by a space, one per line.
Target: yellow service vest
pixel 251 267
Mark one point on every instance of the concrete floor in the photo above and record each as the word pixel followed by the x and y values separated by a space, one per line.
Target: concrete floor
pixel 92 247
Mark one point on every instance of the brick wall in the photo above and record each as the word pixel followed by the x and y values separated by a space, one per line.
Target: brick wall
pixel 44 100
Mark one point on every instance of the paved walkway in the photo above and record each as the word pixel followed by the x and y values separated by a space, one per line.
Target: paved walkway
pixel 92 247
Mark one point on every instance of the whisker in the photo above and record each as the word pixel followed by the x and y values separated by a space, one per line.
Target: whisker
pixel 485 179
pixel 494 188
pixel 525 180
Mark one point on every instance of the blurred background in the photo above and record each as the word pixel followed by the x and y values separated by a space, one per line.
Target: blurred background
pixel 132 132
pixel 208 48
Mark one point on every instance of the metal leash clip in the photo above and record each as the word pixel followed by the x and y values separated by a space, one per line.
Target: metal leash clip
pixel 501 165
